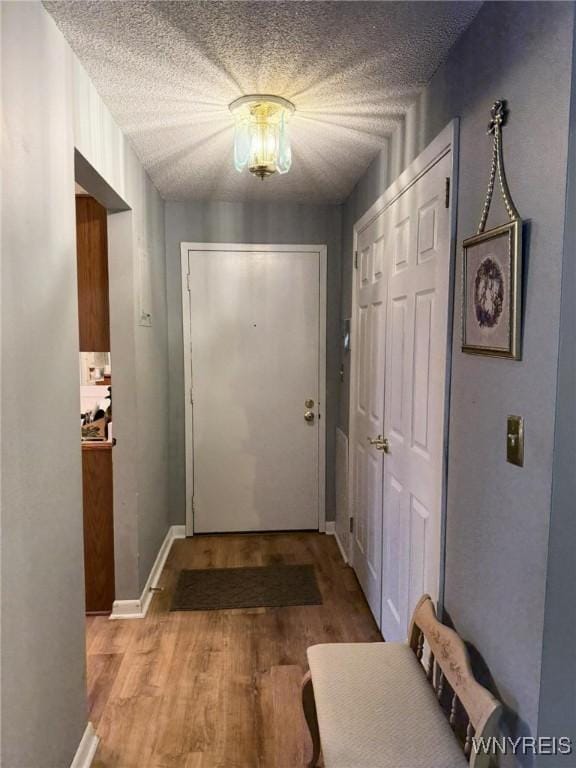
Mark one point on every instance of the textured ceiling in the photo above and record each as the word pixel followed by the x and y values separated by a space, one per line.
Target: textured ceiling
pixel 168 70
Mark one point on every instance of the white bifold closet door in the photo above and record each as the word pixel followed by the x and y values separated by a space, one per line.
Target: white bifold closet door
pixel 401 312
pixel 416 349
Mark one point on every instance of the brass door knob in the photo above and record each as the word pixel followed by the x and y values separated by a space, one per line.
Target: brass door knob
pixel 309 416
pixel 380 443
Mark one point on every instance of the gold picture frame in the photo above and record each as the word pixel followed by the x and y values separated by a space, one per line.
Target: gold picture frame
pixel 492 292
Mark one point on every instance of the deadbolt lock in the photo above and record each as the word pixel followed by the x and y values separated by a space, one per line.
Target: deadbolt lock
pixel 309 403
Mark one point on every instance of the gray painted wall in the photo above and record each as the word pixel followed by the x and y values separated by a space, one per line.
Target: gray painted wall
pixel 111 169
pixel 558 689
pixel 152 391
pixel 498 515
pixel 49 107
pixel 125 410
pixel 43 698
pixel 247 223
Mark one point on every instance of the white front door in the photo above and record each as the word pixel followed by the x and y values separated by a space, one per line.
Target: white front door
pixel 368 348
pixel 416 352
pixel 256 375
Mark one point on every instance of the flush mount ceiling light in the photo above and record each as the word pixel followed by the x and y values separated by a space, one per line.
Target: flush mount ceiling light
pixel 261 141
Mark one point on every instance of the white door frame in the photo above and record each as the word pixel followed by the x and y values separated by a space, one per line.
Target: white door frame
pixel 446 141
pixel 322 252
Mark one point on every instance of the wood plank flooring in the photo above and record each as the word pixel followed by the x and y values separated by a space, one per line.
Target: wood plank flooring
pixel 218 689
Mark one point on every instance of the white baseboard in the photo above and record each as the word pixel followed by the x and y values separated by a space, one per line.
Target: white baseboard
pixel 137 609
pixel 86 749
pixel 341 548
pixel 331 531
pixel 342 516
pixel 127 609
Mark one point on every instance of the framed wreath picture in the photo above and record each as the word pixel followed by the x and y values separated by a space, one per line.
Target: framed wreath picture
pixel 492 268
pixel 492 283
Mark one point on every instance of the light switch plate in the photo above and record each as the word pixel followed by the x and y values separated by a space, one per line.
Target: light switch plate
pixel 515 440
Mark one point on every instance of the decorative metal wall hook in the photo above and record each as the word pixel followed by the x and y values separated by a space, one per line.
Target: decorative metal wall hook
pixel 498 115
pixel 492 267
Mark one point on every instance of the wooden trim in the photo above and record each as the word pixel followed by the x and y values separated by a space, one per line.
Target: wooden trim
pixel 92 265
pixel 98 516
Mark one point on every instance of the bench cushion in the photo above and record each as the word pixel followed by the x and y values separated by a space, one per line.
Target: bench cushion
pixel 376 709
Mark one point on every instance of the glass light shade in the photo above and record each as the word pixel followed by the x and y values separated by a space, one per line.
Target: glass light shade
pixel 261 141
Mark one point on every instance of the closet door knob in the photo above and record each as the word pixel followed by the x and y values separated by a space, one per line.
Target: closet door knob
pixel 380 443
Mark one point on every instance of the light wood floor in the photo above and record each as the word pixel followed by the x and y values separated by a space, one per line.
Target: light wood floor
pixel 218 689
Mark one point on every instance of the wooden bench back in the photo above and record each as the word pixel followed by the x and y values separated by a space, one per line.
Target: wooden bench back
pixel 447 662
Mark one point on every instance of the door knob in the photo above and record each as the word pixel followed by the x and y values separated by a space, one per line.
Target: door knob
pixel 309 416
pixel 380 443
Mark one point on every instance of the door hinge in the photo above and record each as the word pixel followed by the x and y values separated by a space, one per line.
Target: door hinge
pixel 191 396
pixel 193 507
pixel 351 525
pixel 355 259
pixel 447 193
pixel 188 281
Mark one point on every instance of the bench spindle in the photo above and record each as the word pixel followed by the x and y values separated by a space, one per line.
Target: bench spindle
pixel 440 685
pixel 420 647
pixel 430 673
pixel 468 742
pixel 453 710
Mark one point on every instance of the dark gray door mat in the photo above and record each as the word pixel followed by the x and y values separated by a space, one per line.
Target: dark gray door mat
pixel 270 586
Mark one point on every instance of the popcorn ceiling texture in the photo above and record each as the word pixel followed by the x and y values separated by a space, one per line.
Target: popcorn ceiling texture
pixel 168 70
